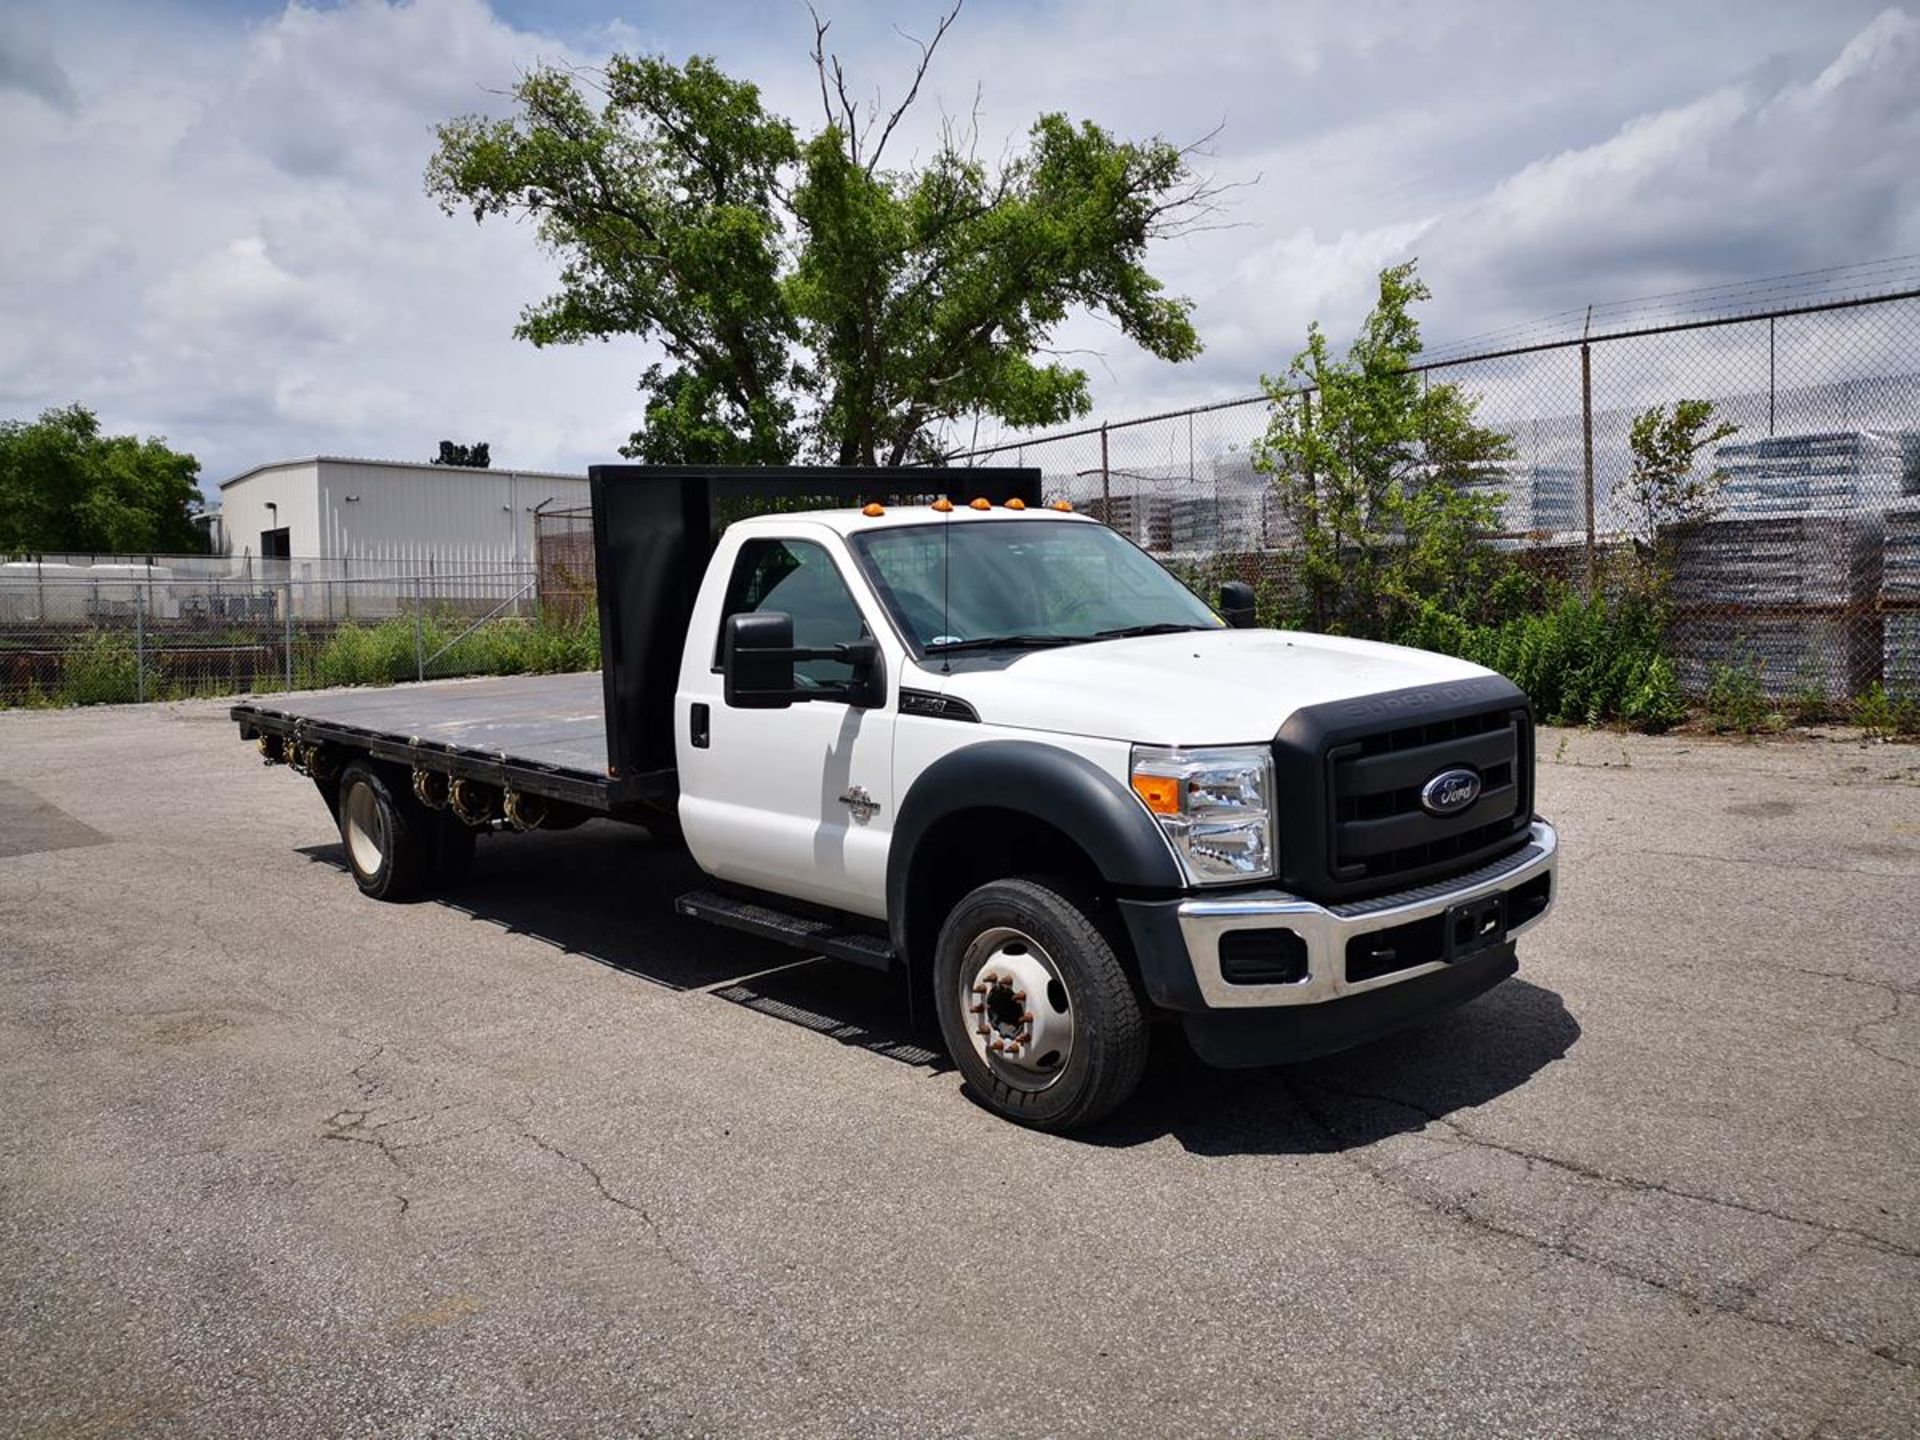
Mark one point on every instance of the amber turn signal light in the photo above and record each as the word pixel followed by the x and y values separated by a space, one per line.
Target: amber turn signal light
pixel 943 504
pixel 1063 505
pixel 1160 792
pixel 1016 503
pixel 980 502
pixel 873 510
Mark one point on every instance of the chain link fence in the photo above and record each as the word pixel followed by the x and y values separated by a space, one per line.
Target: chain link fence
pixel 1806 578
pixel 563 558
pixel 111 632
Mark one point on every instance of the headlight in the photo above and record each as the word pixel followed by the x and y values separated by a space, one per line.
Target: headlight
pixel 1215 806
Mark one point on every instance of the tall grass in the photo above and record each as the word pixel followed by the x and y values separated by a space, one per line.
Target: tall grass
pixel 385 653
pixel 101 669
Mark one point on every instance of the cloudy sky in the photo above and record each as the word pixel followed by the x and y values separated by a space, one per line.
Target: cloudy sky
pixel 216 229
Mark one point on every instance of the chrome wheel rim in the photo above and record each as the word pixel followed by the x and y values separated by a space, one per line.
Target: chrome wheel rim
pixel 1016 1009
pixel 366 829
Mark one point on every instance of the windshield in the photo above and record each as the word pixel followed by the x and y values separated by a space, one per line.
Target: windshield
pixel 1028 581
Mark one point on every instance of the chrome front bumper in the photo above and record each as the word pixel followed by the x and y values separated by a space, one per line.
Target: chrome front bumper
pixel 1328 929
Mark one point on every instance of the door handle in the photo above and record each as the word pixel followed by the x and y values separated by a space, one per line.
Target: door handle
pixel 697 725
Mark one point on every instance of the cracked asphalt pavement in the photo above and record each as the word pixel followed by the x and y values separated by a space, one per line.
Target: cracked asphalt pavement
pixel 542 1158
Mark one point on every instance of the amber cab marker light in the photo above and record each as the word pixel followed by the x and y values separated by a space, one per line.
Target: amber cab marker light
pixel 1063 505
pixel 1016 503
pixel 943 504
pixel 1160 792
pixel 873 510
pixel 980 502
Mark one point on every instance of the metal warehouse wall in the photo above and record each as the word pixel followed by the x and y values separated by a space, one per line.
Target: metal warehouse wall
pixel 244 513
pixel 400 517
pixel 415 515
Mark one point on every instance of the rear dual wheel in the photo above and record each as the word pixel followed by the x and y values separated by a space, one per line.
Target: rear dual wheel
pixel 395 846
pixel 1035 1006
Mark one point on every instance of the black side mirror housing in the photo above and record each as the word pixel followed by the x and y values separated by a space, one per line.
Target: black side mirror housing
pixel 758 655
pixel 757 661
pixel 1237 605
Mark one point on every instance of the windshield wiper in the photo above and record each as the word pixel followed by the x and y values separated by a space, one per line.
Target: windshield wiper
pixel 1159 627
pixel 1004 642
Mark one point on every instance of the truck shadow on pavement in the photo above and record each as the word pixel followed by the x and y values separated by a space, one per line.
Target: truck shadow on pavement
pixel 605 892
pixel 1405 1082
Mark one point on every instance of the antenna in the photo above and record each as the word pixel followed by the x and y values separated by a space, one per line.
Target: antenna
pixel 946 584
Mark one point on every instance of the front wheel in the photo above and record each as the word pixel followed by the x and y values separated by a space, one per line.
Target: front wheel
pixel 1035 1006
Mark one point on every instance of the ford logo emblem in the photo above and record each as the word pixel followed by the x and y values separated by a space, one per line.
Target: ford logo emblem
pixel 1450 792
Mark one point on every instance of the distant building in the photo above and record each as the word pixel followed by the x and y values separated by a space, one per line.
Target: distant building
pixel 394 514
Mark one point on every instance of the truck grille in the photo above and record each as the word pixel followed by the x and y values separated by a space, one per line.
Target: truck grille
pixel 1380 829
pixel 1350 778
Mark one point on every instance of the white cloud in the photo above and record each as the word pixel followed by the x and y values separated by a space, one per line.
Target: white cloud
pixel 235 249
pixel 1743 182
pixel 226 238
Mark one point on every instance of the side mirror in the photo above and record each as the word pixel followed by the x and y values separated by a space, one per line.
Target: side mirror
pixel 757 661
pixel 1236 604
pixel 758 655
pixel 867 688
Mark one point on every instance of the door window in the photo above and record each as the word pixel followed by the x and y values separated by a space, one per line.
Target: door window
pixel 797 578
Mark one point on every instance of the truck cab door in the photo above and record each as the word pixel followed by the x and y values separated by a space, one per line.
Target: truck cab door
pixel 798 801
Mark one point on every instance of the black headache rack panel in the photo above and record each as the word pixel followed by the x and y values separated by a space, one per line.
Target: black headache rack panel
pixel 654 529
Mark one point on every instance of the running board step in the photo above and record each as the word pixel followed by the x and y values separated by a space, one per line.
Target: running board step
pixel 822 937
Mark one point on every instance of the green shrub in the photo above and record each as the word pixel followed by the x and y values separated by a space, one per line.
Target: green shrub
pixel 1582 662
pixel 1807 704
pixel 1735 700
pixel 1883 715
pixel 101 669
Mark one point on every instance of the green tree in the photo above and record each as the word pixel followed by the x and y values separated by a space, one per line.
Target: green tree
pixel 811 299
pixel 477 456
pixel 1375 466
pixel 66 487
pixel 1666 494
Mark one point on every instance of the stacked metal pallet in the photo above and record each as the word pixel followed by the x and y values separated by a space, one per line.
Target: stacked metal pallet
pixel 1530 498
pixel 1900 594
pixel 1791 596
pixel 1833 471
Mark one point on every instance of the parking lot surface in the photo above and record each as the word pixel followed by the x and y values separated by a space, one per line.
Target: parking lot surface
pixel 541 1158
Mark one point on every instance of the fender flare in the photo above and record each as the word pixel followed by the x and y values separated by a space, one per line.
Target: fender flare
pixel 1047 783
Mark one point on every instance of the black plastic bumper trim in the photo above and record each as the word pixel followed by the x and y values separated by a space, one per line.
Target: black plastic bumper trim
pixel 1282 1034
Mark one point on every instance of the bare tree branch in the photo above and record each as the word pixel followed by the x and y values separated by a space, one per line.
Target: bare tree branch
pixel 846 108
pixel 919 74
pixel 819 56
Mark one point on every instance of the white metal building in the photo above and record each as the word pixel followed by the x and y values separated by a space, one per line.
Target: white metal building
pixel 394 515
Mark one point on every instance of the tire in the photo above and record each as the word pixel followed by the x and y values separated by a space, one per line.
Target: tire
pixel 1072 1054
pixel 388 836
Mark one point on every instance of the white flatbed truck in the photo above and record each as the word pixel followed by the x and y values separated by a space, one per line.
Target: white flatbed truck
pixel 940 726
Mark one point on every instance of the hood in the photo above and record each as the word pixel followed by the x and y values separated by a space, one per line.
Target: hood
pixel 1207 687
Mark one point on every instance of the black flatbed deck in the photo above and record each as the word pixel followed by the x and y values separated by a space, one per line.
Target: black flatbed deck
pixel 542 734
